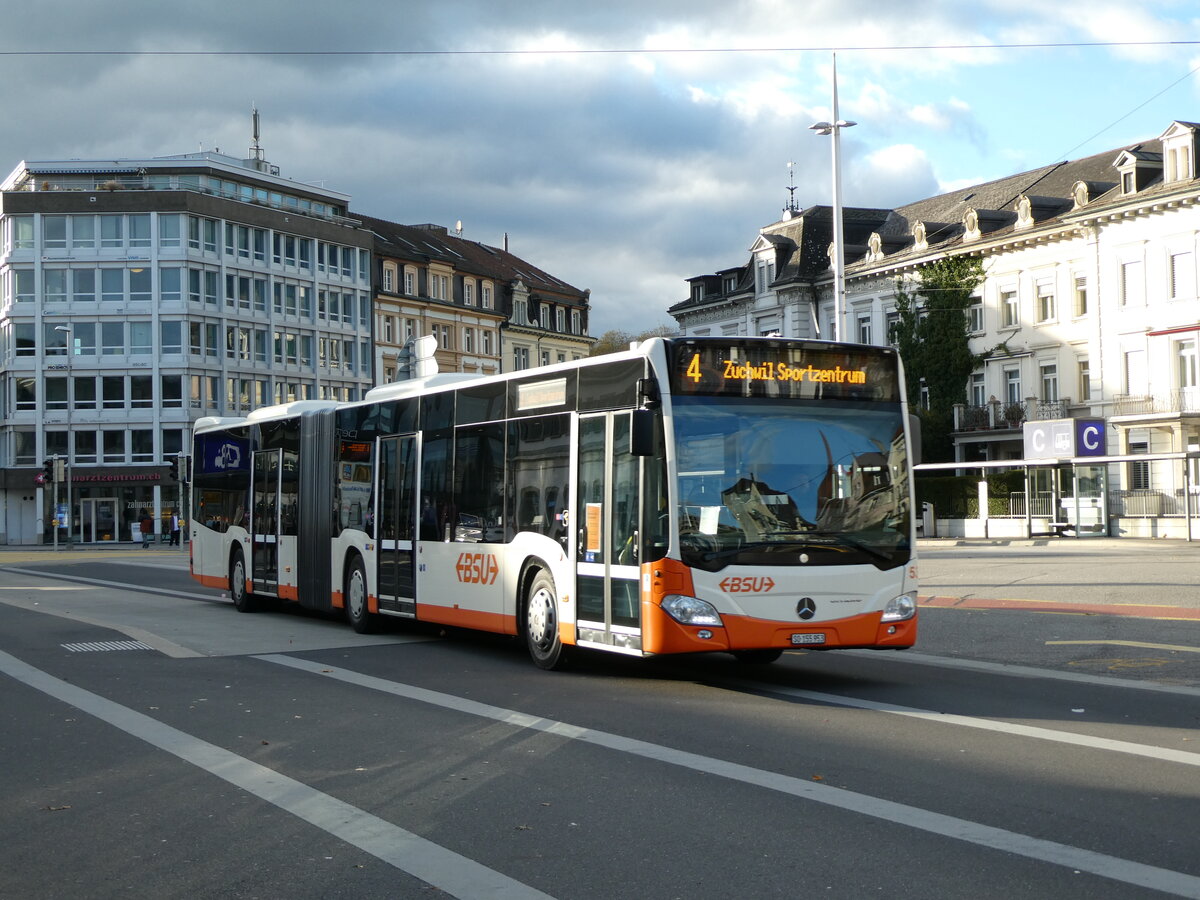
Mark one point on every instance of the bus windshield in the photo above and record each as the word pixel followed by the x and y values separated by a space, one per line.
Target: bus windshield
pixel 790 482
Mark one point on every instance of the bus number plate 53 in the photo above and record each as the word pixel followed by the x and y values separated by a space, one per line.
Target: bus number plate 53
pixel 808 638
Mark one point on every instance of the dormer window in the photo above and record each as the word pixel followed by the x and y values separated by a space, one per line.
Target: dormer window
pixel 1178 144
pixel 1139 168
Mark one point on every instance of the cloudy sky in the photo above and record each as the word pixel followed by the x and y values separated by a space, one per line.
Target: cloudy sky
pixel 622 146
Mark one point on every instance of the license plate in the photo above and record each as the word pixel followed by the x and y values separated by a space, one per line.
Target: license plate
pixel 808 638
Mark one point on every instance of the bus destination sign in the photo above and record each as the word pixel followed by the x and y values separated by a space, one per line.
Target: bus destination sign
pixel 771 368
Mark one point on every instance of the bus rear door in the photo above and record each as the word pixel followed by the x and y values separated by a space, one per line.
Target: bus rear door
pixel 397 523
pixel 606 520
pixel 264 562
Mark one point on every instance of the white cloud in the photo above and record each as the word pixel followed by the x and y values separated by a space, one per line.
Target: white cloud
pixel 622 172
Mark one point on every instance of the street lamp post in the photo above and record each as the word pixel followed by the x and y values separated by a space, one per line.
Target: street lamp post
pixel 66 329
pixel 833 129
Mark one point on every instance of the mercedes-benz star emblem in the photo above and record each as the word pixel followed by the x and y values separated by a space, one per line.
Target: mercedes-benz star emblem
pixel 806 609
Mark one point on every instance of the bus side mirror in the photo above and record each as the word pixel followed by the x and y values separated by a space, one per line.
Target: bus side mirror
pixel 641 432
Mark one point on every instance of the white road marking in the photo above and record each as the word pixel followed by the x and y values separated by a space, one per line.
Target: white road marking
pixel 443 869
pixel 1014 671
pixel 1173 648
pixel 1162 754
pixel 1123 870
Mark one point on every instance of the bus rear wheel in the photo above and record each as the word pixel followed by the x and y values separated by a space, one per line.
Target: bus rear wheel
pixel 541 623
pixel 354 595
pixel 243 600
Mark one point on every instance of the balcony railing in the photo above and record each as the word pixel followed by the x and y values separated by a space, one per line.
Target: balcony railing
pixel 999 416
pixel 1181 400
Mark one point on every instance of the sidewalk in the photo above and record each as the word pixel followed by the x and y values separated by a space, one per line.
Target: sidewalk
pixel 20 553
pixel 1065 544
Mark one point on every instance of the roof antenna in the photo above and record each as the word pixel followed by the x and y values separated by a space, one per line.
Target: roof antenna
pixel 256 151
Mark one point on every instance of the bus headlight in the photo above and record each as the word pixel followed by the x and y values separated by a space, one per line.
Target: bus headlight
pixel 900 608
pixel 690 611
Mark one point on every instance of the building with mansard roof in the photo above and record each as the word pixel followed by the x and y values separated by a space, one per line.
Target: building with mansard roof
pixel 1089 307
pixel 489 310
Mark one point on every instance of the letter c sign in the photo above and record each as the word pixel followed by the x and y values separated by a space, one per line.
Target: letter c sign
pixel 1089 437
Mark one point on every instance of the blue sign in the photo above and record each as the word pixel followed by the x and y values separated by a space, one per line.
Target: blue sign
pixel 1089 437
pixel 219 453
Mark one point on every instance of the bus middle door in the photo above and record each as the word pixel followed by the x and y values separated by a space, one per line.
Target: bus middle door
pixel 397 523
pixel 264 521
pixel 605 517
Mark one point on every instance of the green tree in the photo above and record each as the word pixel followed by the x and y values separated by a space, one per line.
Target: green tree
pixel 933 337
pixel 615 340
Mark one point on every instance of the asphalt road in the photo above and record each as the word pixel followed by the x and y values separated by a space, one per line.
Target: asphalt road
pixel 158 744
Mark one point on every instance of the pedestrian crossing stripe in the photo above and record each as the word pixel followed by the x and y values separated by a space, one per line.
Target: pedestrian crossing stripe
pixel 92 646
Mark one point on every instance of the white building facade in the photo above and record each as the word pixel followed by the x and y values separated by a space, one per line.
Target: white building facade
pixel 1089 308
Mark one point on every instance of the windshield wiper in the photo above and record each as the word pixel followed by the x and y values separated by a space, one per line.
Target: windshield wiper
pixel 840 537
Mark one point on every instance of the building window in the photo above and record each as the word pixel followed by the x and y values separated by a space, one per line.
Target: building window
pixel 54 232
pixel 520 358
pixel 1049 376
pixel 977 392
pixel 1046 310
pixel 468 340
pixel 486 295
pixel 1081 297
pixel 1139 472
pixel 469 291
pixel 576 322
pixel 1012 385
pixel 389 279
pixel 975 315
pixel 1182 276
pixel 1084 375
pixel 1132 285
pixel 487 343
pixel 1188 377
pixel 864 328
pixel 891 322
pixel 1010 312
pixel 114 446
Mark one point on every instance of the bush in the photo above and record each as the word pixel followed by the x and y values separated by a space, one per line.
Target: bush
pixel 957 496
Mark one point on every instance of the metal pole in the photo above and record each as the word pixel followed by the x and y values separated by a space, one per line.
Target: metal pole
pixel 839 275
pixel 54 497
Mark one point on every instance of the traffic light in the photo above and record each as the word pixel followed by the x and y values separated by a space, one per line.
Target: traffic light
pixel 174 471
pixel 48 471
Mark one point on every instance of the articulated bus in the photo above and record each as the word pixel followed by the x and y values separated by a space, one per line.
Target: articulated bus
pixel 744 495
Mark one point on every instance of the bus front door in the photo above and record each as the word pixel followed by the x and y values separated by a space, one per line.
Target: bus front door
pixel 397 524
pixel 264 522
pixel 605 516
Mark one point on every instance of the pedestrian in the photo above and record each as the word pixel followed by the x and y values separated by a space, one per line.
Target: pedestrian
pixel 147 527
pixel 175 529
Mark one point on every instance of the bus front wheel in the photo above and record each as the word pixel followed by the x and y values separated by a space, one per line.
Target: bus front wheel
pixel 757 657
pixel 354 595
pixel 243 600
pixel 541 623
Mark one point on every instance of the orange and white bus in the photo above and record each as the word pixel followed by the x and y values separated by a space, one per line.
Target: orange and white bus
pixel 745 495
